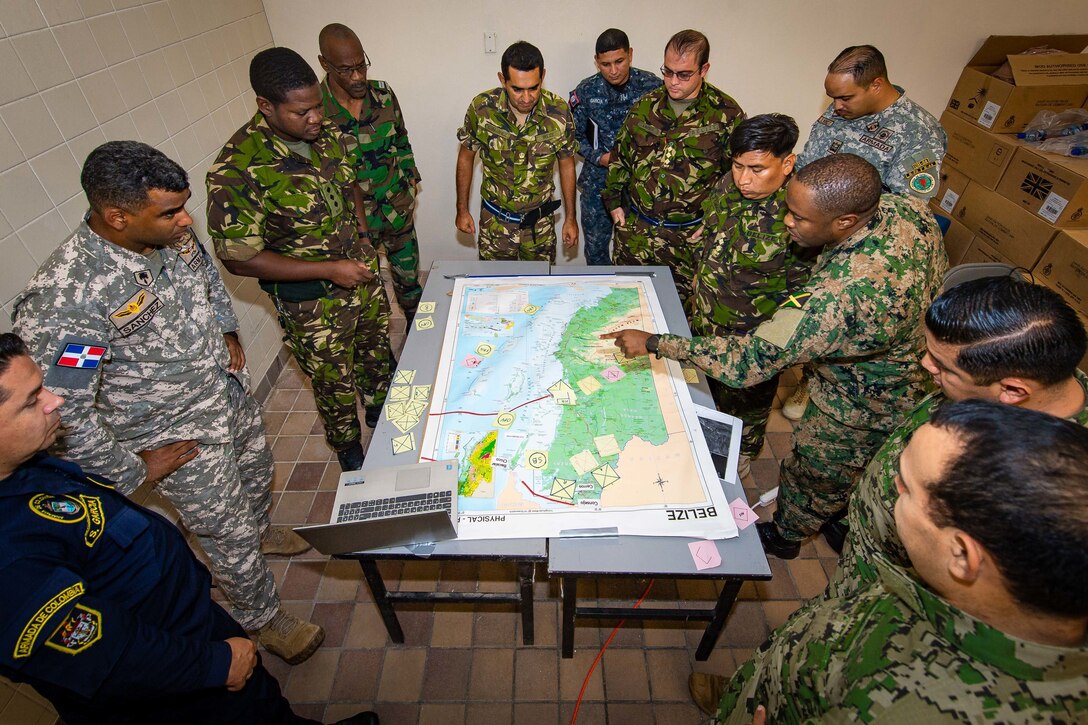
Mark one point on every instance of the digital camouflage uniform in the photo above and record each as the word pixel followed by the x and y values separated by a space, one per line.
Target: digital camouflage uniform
pixel 163 377
pixel 518 170
pixel 898 653
pixel 385 168
pixel 264 197
pixel 871 514
pixel 747 267
pixel 859 321
pixel 904 142
pixel 599 109
pixel 664 168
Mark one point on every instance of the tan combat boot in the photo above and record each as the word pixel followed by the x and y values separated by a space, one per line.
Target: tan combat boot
pixel 706 691
pixel 282 540
pixel 290 638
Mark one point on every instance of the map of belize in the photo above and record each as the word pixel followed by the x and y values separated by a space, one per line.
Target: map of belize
pixel 553 428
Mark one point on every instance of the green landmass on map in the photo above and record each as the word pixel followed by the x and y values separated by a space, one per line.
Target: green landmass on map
pixel 478 470
pixel 625 408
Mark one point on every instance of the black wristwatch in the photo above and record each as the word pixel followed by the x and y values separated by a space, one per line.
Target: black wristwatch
pixel 651 345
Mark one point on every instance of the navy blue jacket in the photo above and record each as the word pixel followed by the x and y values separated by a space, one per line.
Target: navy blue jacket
pixel 100 600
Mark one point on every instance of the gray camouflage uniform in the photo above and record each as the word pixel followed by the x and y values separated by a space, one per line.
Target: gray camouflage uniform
pixel 163 377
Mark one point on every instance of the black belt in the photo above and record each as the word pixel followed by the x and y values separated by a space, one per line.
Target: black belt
pixel 525 220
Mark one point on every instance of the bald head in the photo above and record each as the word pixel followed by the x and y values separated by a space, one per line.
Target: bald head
pixel 343 58
pixel 336 33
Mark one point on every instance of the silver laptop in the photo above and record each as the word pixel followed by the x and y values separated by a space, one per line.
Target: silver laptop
pixel 392 506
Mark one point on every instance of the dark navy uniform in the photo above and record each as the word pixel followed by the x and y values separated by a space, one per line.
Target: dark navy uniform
pixel 599 109
pixel 106 612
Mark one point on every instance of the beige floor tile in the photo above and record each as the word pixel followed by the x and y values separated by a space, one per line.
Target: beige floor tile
pixel 779 611
pixel 669 670
pixel 630 714
pixel 339 582
pixel 441 714
pixel 402 675
pixel 489 712
pixel 357 675
pixel 536 675
pixel 625 676
pixel 453 626
pixel 366 628
pixel 447 675
pixel 492 675
pixel 572 677
pixel 311 681
pixel 535 713
pixel 809 577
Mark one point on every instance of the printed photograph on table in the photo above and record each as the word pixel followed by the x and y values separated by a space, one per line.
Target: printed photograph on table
pixel 555 431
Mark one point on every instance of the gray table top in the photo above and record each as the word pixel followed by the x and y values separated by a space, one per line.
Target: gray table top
pixel 742 556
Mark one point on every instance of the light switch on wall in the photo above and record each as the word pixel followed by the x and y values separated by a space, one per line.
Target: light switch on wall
pixel 489 43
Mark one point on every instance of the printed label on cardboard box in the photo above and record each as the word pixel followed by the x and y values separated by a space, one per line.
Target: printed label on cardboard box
pixel 1053 207
pixel 948 201
pixel 989 114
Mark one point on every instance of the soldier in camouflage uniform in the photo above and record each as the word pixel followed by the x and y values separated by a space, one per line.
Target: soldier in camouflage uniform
pixel 668 155
pixel 977 632
pixel 857 319
pixel 283 206
pixel 599 105
pixel 875 120
pixel 748 265
pixel 133 325
pixel 368 113
pixel 994 339
pixel 521 131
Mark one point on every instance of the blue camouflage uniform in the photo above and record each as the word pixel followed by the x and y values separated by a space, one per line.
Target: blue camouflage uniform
pixel 599 109
pixel 108 614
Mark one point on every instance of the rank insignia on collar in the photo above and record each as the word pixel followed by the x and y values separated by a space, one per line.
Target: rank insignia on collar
pixel 143 277
pixel 871 127
pixel 835 146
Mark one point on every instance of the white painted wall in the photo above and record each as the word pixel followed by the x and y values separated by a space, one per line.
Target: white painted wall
pixel 770 55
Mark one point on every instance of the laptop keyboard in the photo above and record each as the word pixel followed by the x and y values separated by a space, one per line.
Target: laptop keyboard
pixel 395 506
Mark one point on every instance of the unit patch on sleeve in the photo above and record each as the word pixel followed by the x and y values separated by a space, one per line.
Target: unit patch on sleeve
pixel 77 362
pixel 75 355
pixel 779 329
pixel 80 630
pixel 24 646
pixel 62 509
pixel 136 312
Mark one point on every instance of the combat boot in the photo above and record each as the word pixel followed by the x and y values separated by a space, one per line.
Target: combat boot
pixel 290 638
pixel 774 543
pixel 351 458
pixel 706 691
pixel 373 413
pixel 282 540
pixel 794 407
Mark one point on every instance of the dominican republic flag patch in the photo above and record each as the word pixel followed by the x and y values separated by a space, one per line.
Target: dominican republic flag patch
pixel 81 356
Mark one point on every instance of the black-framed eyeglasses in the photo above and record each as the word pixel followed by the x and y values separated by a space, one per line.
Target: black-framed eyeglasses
pixel 684 75
pixel 350 70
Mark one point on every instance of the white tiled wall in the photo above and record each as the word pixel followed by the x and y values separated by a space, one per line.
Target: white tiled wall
pixel 77 73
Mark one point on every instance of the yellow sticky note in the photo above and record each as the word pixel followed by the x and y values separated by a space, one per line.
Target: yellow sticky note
pixel 425 307
pixel 505 419
pixel 583 462
pixel 404 377
pixel 691 376
pixel 606 475
pixel 400 392
pixel 404 444
pixel 563 393
pixel 589 385
pixel 607 445
pixel 424 323
pixel 485 349
pixel 563 489
pixel 421 392
pixel 537 460
pixel 530 309
pixel 404 423
pixel 414 408
pixel 395 409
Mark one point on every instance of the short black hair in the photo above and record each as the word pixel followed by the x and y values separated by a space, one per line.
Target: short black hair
pixel 11 347
pixel 864 63
pixel 842 184
pixel 275 72
pixel 121 173
pixel 1020 488
pixel 522 56
pixel 612 39
pixel 1008 328
pixel 690 41
pixel 775 133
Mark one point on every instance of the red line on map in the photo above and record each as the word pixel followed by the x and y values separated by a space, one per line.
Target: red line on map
pixel 469 412
pixel 546 498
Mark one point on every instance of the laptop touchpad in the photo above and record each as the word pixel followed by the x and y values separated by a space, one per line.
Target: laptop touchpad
pixel 413 479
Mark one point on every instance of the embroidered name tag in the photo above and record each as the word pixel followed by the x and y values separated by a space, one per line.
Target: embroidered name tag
pixel 136 312
pixel 24 646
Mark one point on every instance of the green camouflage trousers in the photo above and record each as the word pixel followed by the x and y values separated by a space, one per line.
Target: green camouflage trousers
pixel 341 342
pixel 638 242
pixel 752 405
pixel 396 233
pixel 223 496
pixel 500 240
pixel 825 464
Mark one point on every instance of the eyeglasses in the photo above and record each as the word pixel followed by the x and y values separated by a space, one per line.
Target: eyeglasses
pixel 350 70
pixel 684 75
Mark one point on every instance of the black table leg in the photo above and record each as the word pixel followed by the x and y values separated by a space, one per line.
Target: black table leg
pixel 570 604
pixel 721 612
pixel 377 589
pixel 526 571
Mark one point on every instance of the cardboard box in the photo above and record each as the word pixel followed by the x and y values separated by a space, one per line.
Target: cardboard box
pixel 1015 233
pixel 1051 186
pixel 950 187
pixel 1064 268
pixel 957 240
pixel 981 252
pixel 975 152
pixel 1040 82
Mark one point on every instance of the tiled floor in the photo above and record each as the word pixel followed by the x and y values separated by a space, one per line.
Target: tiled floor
pixel 466 664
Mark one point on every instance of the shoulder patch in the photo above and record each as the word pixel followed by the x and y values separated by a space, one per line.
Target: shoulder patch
pixel 96 519
pixel 920 173
pixel 24 646
pixel 80 630
pixel 573 99
pixel 77 355
pixel 137 311
pixel 61 509
pixel 76 362
pixel 780 328
pixel 191 253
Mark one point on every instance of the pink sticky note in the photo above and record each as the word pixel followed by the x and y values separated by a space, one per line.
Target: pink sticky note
pixel 472 361
pixel 612 374
pixel 743 514
pixel 705 554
